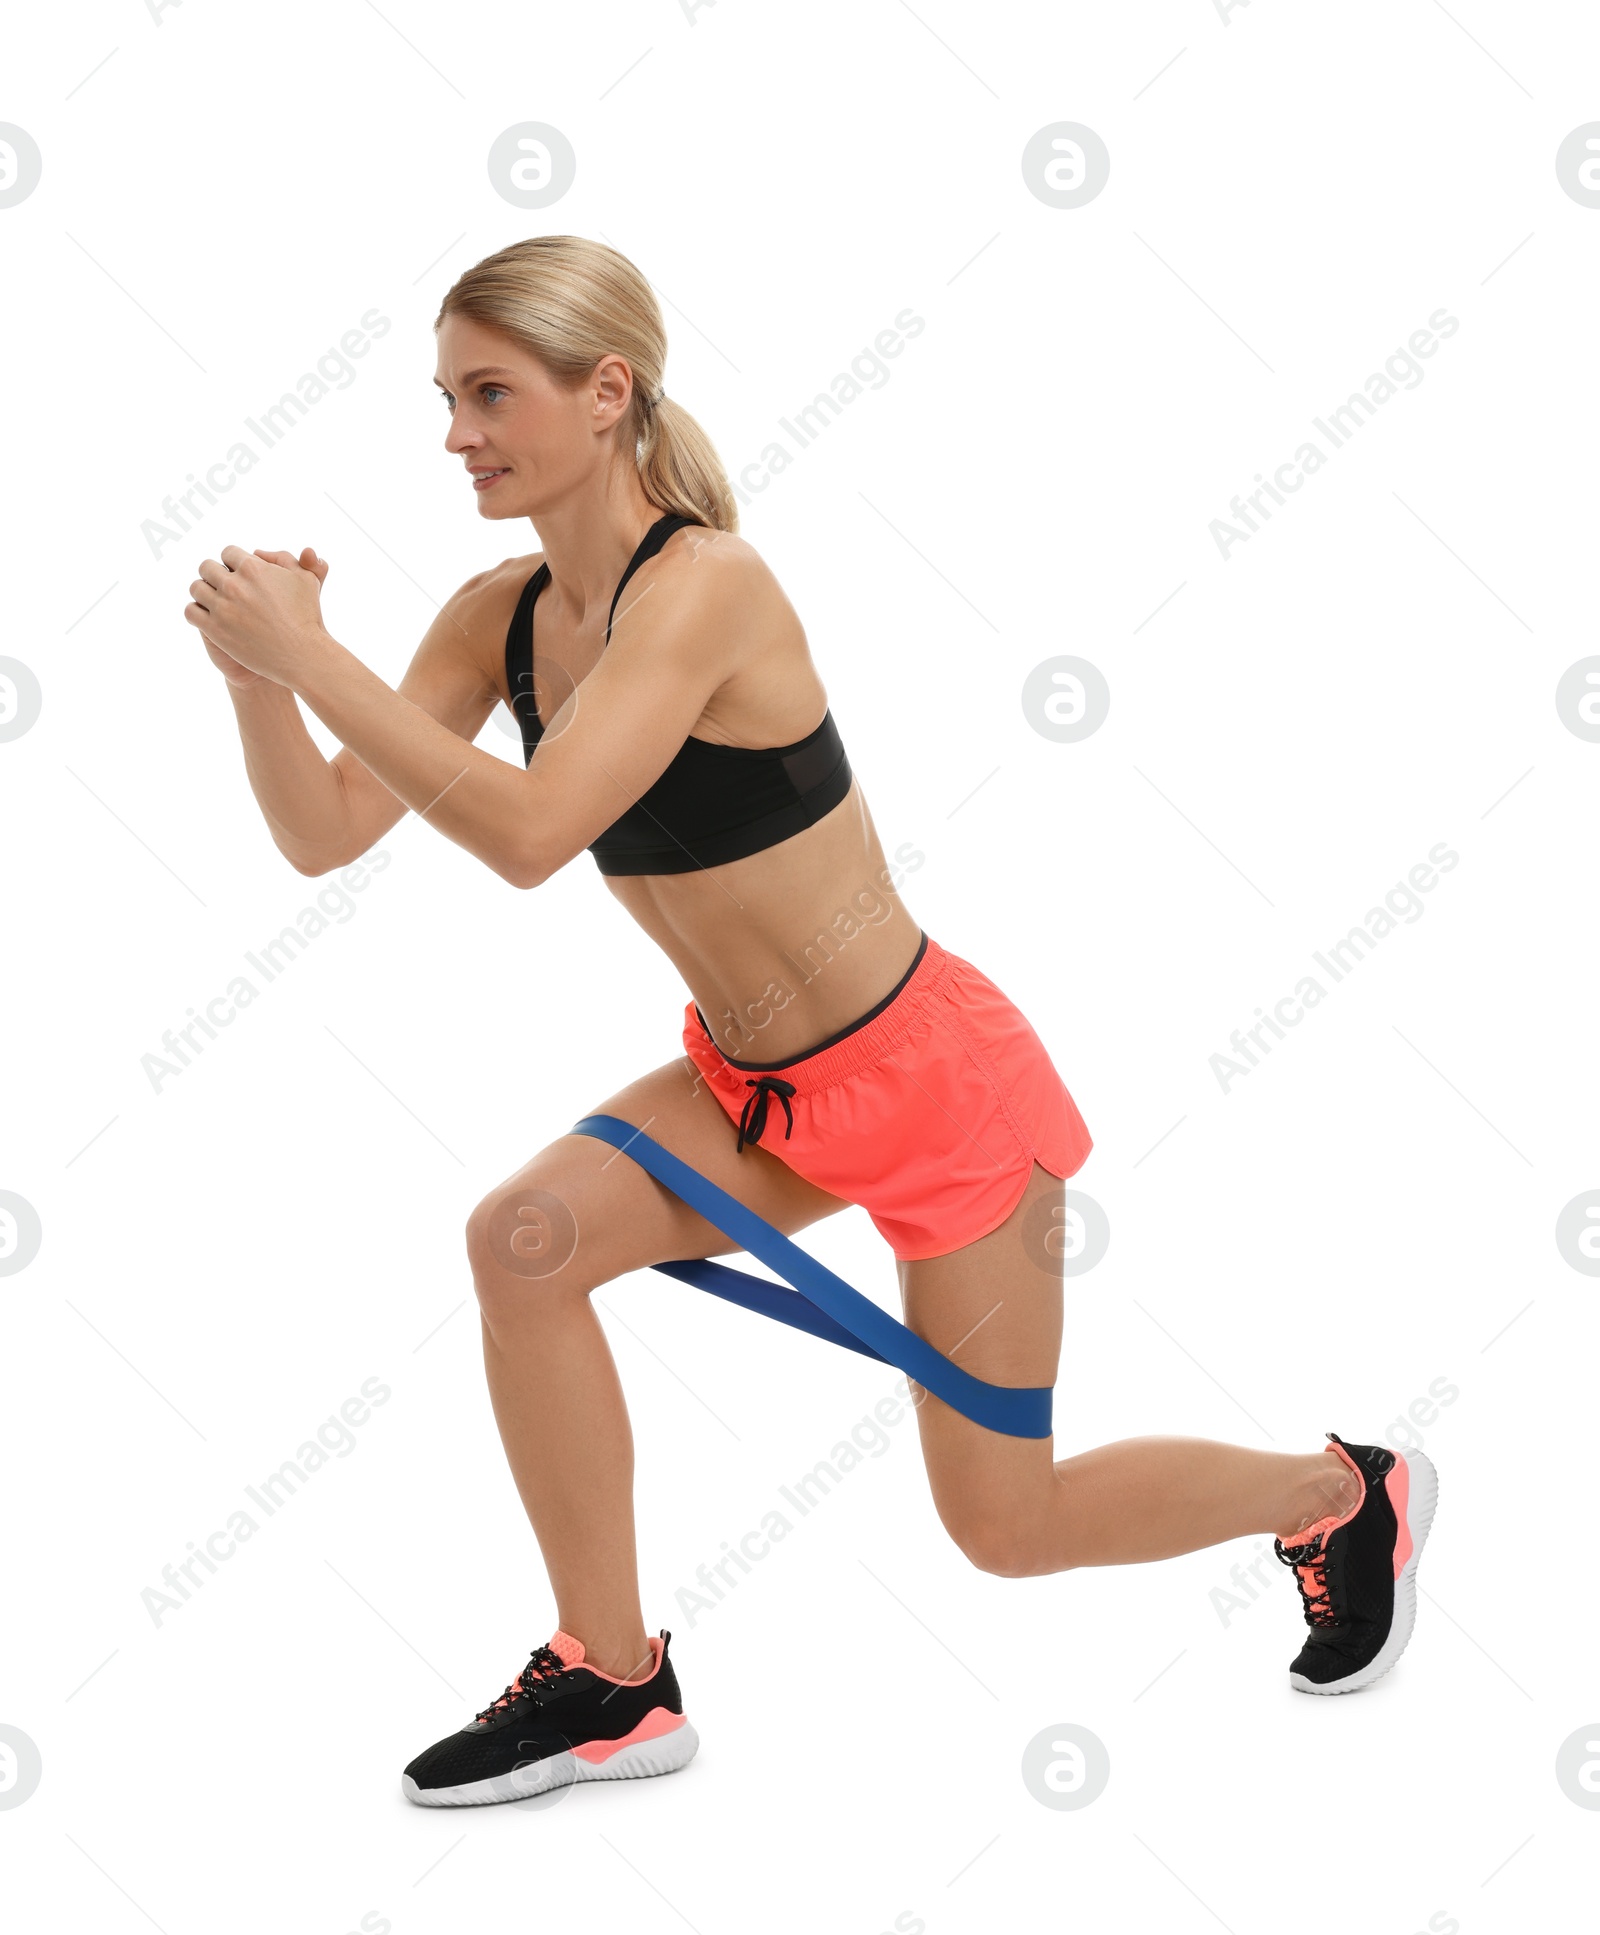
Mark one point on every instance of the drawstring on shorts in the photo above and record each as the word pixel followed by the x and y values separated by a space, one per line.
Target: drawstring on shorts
pixel 754 1118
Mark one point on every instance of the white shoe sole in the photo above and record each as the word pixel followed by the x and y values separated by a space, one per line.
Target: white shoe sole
pixel 1421 1497
pixel 663 1755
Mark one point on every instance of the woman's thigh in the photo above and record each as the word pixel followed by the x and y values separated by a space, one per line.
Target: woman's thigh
pixel 581 1213
pixel 994 1308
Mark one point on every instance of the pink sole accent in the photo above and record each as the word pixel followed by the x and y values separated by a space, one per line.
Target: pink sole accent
pixel 1399 1484
pixel 655 1723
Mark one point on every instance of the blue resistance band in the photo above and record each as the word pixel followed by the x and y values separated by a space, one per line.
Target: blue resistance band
pixel 820 1303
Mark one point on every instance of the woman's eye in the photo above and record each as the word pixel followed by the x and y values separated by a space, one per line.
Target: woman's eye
pixel 489 388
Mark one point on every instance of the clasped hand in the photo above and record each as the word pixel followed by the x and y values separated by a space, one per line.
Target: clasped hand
pixel 259 612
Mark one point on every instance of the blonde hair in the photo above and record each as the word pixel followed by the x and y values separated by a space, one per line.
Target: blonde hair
pixel 569 301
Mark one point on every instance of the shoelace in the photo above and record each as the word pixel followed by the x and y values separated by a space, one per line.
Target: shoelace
pixel 754 1118
pixel 543 1668
pixel 1310 1566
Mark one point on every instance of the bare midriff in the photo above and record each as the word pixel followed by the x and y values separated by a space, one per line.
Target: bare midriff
pixel 786 947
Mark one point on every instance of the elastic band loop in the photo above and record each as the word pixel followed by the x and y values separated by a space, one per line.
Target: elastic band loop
pixel 820 1303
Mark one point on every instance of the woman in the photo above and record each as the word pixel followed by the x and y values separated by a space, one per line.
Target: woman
pixel 675 725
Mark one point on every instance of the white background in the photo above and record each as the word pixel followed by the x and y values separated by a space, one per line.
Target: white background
pixel 1371 1211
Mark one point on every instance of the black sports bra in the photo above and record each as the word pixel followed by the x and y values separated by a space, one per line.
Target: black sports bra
pixel 713 803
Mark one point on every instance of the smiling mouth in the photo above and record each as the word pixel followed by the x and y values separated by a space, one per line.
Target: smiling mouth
pixel 481 479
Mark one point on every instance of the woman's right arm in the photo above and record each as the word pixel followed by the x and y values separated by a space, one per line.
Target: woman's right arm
pixel 324 813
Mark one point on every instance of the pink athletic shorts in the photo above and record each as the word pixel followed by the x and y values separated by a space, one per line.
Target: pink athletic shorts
pixel 929 1111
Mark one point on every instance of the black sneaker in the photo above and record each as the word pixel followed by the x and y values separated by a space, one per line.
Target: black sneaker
pixel 558 1722
pixel 1357 1574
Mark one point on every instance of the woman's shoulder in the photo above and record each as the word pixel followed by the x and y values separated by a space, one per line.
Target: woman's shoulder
pixel 720 599
pixel 509 573
pixel 700 543
pixel 489 597
pixel 475 619
pixel 717 571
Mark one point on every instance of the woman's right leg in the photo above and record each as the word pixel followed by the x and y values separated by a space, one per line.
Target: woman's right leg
pixel 578 1215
